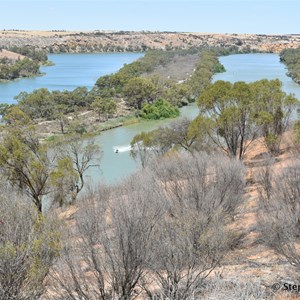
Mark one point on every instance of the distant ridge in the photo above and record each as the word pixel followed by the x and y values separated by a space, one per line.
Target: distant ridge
pixel 130 41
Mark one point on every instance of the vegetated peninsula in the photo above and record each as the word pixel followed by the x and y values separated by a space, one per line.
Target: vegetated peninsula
pixel 120 41
pixel 18 62
pixel 291 57
pixel 153 87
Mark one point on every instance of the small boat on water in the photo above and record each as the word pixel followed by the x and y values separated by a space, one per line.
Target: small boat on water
pixel 121 148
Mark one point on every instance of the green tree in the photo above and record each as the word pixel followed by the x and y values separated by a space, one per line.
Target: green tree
pixel 38 104
pixel 4 71
pixel 139 90
pixel 104 107
pixel 28 165
pixel 63 180
pixel 273 110
pixel 60 115
pixel 80 97
pixel 23 160
pixel 11 69
pixel 181 134
pixel 27 67
pixel 291 57
pixel 206 67
pixel 104 87
pixel 146 145
pixel 16 117
pixel 74 159
pixel 229 112
pixel 179 94
pixel 189 135
pixel 3 109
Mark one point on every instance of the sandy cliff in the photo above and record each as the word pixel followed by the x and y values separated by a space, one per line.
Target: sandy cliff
pixel 103 41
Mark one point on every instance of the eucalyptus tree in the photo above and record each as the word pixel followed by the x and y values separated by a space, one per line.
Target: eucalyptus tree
pixel 35 169
pixel 23 160
pixel 238 113
pixel 146 145
pixel 104 107
pixel 74 157
pixel 229 113
pixel 139 90
pixel 38 104
pixel 273 111
pixel 182 134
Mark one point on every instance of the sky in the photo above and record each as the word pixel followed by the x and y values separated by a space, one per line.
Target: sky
pixel 213 16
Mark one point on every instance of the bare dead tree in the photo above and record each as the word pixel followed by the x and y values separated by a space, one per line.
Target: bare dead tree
pixel 115 231
pixel 160 233
pixel 279 217
pixel 29 243
pixel 202 194
pixel 198 180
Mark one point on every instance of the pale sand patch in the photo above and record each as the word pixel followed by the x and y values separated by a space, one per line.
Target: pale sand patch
pixel 11 55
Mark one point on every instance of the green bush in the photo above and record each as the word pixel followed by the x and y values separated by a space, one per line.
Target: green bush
pixel 160 109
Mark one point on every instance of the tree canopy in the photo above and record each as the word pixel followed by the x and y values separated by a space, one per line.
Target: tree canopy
pixel 159 109
pixel 237 113
pixel 291 57
pixel 36 170
pixel 104 107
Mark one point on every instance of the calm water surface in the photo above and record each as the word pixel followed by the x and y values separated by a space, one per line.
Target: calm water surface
pixel 69 72
pixel 252 67
pixel 115 166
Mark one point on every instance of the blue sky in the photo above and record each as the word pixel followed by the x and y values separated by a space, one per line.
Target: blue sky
pixel 221 16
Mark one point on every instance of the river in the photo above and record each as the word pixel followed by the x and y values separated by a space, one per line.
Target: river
pixel 252 67
pixel 115 166
pixel 72 70
pixel 69 72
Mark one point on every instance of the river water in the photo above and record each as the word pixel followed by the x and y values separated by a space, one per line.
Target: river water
pixel 69 72
pixel 115 166
pixel 73 70
pixel 252 67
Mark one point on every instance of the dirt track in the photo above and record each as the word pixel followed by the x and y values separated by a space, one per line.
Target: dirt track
pixel 180 68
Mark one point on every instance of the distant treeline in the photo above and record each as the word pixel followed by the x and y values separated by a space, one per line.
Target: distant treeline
pixel 291 57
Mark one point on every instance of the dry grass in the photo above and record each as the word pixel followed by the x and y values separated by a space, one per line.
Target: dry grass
pixel 10 55
pixel 179 69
